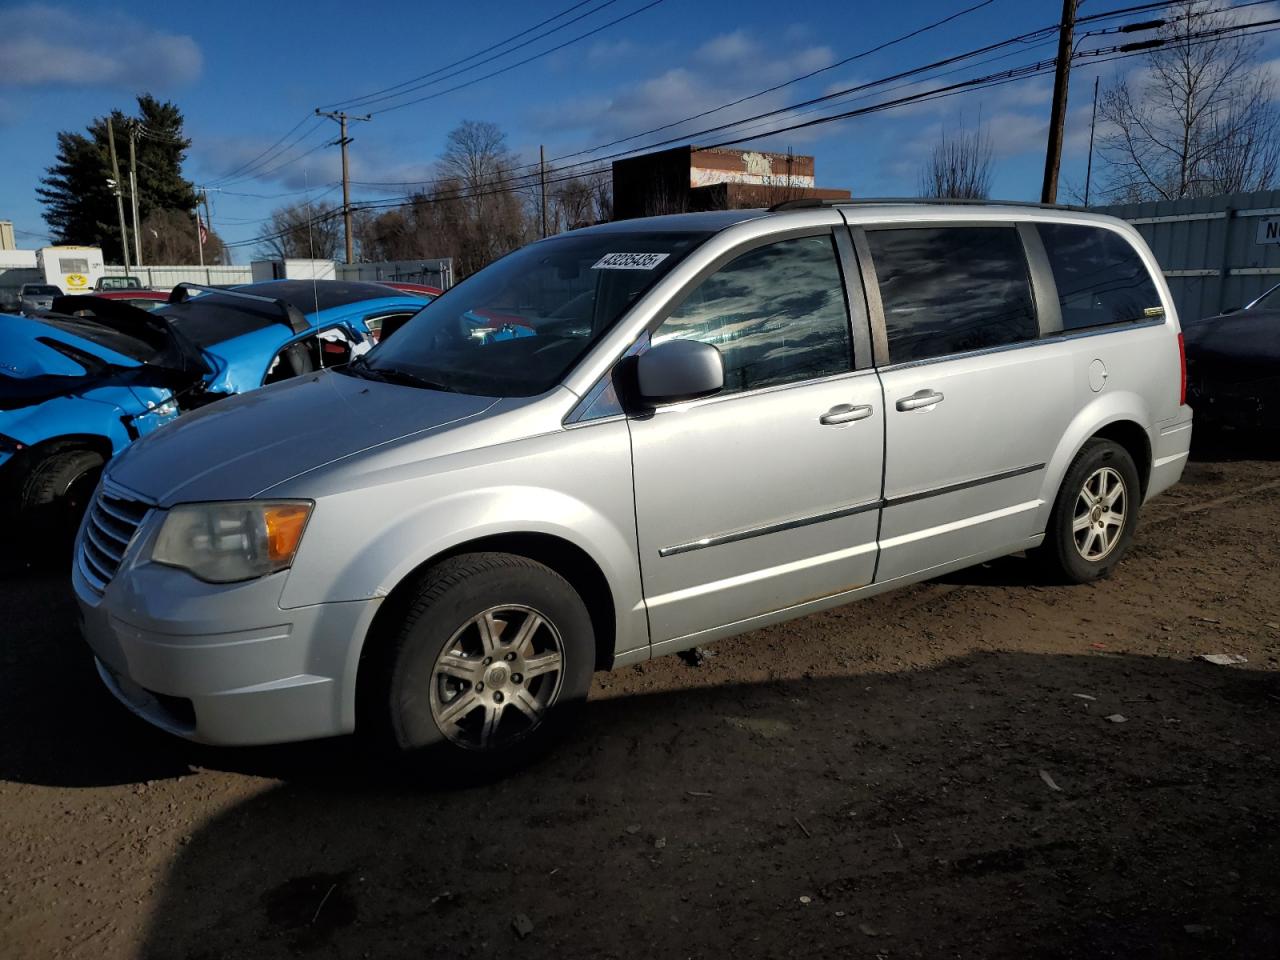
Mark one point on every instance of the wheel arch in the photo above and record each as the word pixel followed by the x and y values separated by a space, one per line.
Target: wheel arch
pixel 567 559
pixel 1120 418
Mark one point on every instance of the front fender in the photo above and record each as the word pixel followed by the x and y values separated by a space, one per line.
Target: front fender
pixel 1105 409
pixel 574 485
pixel 69 416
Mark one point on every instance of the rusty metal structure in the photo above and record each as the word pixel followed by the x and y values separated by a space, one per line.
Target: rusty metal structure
pixel 690 178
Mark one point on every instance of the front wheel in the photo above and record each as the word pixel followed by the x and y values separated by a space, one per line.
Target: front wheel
pixel 484 665
pixel 1094 516
pixel 52 498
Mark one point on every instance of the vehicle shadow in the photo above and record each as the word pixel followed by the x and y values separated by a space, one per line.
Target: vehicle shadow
pixel 981 808
pixel 1212 443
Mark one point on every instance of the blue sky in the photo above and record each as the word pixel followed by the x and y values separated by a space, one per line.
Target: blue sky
pixel 245 73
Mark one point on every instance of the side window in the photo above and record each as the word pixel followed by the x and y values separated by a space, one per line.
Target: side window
pixel 1100 277
pixel 777 314
pixel 952 289
pixel 394 321
pixel 328 348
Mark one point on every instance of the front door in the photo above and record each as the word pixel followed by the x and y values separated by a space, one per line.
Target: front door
pixel 765 495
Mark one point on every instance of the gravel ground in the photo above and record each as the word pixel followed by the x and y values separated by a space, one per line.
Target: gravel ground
pixel 933 773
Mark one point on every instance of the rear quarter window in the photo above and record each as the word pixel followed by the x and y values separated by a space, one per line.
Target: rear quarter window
pixel 1101 280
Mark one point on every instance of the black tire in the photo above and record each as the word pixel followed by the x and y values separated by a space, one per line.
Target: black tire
pixel 1060 557
pixel 402 692
pixel 52 498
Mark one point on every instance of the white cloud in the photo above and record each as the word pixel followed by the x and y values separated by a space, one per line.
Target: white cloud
pixel 728 48
pixel 48 46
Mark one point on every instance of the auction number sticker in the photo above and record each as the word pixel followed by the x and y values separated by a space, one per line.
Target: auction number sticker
pixel 629 261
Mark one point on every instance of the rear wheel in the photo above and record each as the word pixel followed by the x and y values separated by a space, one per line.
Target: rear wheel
pixel 52 499
pixel 1094 516
pixel 488 659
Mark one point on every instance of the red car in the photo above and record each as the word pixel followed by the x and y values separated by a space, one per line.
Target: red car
pixel 418 289
pixel 142 299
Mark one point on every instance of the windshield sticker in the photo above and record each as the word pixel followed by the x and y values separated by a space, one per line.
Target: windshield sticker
pixel 629 261
pixel 1153 312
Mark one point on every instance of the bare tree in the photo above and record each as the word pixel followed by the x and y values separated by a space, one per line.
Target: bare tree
pixel 306 230
pixel 169 236
pixel 960 166
pixel 1199 119
pixel 579 201
pixel 482 203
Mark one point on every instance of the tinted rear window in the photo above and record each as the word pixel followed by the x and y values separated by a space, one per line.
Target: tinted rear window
pixel 952 289
pixel 1099 276
pixel 41 291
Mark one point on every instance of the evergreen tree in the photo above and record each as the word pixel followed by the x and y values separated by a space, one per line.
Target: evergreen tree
pixel 79 205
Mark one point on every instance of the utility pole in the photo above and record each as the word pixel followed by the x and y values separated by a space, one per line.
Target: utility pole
pixel 542 178
pixel 133 193
pixel 1061 78
pixel 115 187
pixel 343 140
pixel 1088 174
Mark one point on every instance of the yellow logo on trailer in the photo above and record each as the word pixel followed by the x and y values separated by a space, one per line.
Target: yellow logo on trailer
pixel 76 281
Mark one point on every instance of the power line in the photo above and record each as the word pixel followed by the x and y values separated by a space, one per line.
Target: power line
pixel 776 87
pixel 835 95
pixel 1098 55
pixel 408 86
pixel 248 163
pixel 520 63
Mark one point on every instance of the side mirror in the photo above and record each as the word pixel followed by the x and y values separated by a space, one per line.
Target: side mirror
pixel 679 370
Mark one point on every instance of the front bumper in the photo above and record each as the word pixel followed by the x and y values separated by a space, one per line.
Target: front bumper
pixel 222 663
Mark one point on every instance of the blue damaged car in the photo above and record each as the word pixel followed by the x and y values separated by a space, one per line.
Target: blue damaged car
pixel 80 383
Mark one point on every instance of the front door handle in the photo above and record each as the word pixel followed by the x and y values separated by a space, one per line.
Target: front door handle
pixel 845 413
pixel 919 399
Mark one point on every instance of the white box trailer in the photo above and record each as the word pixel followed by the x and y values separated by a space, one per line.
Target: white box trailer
pixel 294 269
pixel 71 269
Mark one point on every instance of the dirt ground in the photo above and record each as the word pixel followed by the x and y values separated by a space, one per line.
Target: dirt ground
pixel 932 773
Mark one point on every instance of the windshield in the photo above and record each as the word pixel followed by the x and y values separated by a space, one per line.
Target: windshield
pixel 517 327
pixel 32 290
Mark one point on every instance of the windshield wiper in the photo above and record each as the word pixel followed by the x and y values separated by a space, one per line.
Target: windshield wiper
pixel 361 368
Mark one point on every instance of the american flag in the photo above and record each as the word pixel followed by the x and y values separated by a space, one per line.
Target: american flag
pixel 204 231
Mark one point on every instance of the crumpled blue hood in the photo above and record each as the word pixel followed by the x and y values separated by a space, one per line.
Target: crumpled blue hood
pixel 23 356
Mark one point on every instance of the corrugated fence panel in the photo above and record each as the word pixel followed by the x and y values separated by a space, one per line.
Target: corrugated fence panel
pixel 162 277
pixel 1208 247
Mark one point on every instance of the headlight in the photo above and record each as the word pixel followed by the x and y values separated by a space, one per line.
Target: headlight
pixel 236 540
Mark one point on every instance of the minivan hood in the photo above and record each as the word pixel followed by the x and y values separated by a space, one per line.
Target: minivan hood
pixel 236 448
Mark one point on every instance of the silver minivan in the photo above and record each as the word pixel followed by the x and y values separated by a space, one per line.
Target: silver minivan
pixel 623 441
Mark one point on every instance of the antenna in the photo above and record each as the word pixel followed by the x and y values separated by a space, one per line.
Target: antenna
pixel 311 249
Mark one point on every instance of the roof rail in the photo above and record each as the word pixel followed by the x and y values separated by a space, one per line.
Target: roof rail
pixel 808 203
pixel 290 315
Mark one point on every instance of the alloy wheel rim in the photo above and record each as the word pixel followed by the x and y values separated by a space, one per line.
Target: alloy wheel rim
pixel 497 677
pixel 1099 516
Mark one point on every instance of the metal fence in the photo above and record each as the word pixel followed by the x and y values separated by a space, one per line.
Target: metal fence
pixel 164 277
pixel 1216 252
pixel 434 273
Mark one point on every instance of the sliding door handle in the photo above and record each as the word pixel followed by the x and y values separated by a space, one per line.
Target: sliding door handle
pixel 919 400
pixel 845 413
